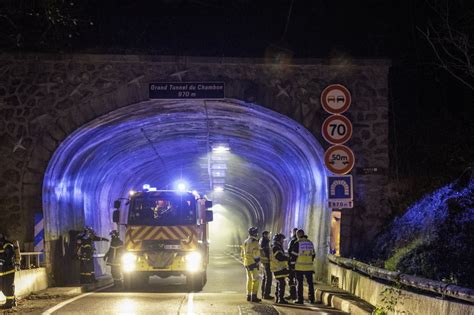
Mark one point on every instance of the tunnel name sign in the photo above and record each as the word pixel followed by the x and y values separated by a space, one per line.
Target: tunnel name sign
pixel 187 90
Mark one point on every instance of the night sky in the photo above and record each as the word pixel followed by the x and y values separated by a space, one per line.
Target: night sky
pixel 431 112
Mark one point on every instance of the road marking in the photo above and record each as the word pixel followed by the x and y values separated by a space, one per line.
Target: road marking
pixel 62 304
pixel 190 308
pixel 235 258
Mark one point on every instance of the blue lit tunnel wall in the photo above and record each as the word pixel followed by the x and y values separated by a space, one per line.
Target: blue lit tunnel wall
pixel 275 177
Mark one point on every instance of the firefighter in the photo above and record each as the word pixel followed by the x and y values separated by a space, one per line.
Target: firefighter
pixel 85 252
pixel 303 256
pixel 265 259
pixel 9 263
pixel 251 258
pixel 291 277
pixel 279 267
pixel 112 257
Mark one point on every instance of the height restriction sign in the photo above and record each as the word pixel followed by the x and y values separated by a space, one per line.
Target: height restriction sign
pixel 337 129
pixel 336 99
pixel 339 159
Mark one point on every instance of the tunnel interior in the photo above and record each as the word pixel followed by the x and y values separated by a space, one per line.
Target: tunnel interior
pixel 270 174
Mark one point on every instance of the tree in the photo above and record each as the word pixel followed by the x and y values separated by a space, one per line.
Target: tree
pixel 449 35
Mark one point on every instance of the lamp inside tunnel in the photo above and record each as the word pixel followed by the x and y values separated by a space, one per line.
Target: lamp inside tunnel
pixel 264 168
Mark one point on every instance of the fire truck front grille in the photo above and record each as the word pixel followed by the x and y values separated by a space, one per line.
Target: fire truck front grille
pixel 160 260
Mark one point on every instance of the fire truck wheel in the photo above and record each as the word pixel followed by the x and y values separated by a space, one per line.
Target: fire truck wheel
pixel 195 282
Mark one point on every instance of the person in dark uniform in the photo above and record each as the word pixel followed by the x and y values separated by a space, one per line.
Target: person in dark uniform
pixel 292 277
pixel 9 263
pixel 279 267
pixel 112 257
pixel 265 260
pixel 85 253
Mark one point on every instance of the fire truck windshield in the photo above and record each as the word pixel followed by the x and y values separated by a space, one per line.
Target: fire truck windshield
pixel 162 210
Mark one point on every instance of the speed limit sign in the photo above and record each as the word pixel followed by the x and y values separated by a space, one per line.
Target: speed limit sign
pixel 337 129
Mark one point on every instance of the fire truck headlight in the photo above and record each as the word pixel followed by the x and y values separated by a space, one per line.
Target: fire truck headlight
pixel 193 261
pixel 129 262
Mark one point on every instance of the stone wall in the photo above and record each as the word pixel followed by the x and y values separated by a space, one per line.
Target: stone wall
pixel 44 98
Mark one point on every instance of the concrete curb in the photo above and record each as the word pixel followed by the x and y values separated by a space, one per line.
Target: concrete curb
pixel 342 300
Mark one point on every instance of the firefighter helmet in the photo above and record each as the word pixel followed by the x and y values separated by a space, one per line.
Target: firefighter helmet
pixel 279 237
pixel 88 230
pixel 253 231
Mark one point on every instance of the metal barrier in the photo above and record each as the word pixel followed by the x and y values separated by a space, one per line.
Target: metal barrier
pixel 31 260
pixel 445 289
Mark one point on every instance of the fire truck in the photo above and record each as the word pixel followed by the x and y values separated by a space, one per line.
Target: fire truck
pixel 166 234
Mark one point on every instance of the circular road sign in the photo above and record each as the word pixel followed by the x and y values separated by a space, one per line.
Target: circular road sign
pixel 337 129
pixel 339 159
pixel 336 99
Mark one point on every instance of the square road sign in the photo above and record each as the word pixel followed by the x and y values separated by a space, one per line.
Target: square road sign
pixel 340 191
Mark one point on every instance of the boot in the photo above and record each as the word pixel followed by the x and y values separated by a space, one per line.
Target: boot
pixel 268 297
pixel 248 297
pixel 254 298
pixel 299 302
pixel 282 301
pixel 9 304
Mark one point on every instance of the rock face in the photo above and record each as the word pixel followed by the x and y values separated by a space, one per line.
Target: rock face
pixel 45 98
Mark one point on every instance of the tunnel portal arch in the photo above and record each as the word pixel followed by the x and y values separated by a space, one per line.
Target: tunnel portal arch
pixel 274 178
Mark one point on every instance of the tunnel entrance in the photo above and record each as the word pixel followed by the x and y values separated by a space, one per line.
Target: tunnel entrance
pixel 258 166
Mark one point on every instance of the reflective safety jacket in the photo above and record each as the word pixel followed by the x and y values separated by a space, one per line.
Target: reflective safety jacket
pixel 279 261
pixel 8 257
pixel 265 250
pixel 113 255
pixel 304 253
pixel 85 248
pixel 85 245
pixel 251 252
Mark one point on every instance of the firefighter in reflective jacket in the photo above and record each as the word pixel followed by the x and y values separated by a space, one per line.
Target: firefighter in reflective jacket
pixel 112 257
pixel 303 256
pixel 9 262
pixel 85 252
pixel 279 267
pixel 251 258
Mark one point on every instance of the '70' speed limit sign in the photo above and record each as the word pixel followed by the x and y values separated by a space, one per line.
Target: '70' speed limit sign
pixel 337 129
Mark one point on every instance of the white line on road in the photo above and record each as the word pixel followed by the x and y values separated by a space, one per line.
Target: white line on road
pixel 62 304
pixel 190 308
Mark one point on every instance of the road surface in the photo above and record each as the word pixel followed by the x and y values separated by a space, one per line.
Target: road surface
pixel 223 294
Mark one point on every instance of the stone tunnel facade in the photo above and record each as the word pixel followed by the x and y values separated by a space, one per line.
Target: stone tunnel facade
pixel 45 98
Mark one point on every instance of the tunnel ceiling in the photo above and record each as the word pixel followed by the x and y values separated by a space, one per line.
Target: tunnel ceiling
pixel 273 168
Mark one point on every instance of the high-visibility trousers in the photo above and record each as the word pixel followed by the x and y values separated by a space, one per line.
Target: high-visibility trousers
pixel 253 281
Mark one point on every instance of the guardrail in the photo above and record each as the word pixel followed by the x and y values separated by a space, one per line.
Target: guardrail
pixel 445 289
pixel 31 260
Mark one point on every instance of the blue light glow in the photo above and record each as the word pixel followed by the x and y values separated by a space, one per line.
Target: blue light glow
pixel 181 186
